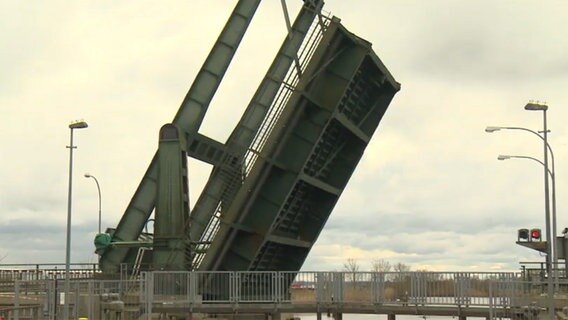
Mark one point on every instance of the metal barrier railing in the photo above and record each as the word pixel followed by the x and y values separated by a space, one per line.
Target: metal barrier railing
pixel 26 312
pixel 13 272
pixel 416 288
pixel 526 299
pixel 96 299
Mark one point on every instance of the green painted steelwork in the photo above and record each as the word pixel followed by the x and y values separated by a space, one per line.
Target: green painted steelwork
pixel 188 118
pixel 279 175
pixel 246 139
pixel 308 158
pixel 172 205
pixel 102 241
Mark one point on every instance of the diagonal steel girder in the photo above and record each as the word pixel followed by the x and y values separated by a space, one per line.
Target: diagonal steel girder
pixel 244 133
pixel 189 118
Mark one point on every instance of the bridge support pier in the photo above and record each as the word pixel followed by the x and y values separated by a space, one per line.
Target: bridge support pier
pixel 318 315
pixel 462 318
pixel 338 316
pixel 391 316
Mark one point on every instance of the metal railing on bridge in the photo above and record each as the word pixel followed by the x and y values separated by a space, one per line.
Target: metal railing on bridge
pixel 440 288
pixel 46 271
pixel 491 294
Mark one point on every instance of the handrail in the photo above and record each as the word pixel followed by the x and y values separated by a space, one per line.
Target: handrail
pixel 366 291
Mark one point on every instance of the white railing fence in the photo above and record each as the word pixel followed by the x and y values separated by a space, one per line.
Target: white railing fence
pixel 135 299
pixel 432 288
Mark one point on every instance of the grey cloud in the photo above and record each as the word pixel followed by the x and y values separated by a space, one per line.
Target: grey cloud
pixel 46 227
pixel 412 222
pixel 42 241
pixel 482 41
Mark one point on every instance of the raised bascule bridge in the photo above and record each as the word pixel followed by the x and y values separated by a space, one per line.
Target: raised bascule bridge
pixel 277 178
pixel 238 249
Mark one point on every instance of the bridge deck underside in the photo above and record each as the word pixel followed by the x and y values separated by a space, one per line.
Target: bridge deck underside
pixel 308 159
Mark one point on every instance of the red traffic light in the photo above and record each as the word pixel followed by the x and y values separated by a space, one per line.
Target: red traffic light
pixel 536 234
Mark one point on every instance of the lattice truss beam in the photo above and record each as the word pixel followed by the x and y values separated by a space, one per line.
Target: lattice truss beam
pixel 278 176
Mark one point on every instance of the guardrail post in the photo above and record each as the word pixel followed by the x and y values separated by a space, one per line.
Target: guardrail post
pixel 319 287
pixel 418 288
pixel 235 282
pixel 338 285
pixel 491 305
pixel 462 284
pixel 141 289
pixel 76 305
pixel 16 299
pixel 149 294
pixel 91 302
pixel 506 286
pixel 378 287
pixel 276 286
pixel 45 307
pixel 192 287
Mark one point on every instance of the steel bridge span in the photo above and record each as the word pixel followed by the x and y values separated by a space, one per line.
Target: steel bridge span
pixel 275 181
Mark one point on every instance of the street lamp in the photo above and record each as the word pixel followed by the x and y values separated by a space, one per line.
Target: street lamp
pixel 536 106
pixel 507 157
pixel 74 125
pixel 87 175
pixel 554 244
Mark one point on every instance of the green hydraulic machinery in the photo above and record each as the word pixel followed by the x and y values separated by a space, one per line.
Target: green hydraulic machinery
pixel 278 176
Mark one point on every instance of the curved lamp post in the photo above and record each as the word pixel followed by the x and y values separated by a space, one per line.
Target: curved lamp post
pixel 87 175
pixel 74 125
pixel 507 157
pixel 532 106
pixel 552 173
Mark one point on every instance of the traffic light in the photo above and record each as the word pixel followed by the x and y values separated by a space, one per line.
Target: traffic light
pixel 523 234
pixel 536 234
pixel 532 239
pixel 526 235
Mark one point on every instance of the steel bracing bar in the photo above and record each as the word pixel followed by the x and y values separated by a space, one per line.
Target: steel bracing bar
pixel 247 128
pixel 189 119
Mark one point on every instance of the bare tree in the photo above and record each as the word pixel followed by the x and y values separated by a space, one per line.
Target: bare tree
pixel 351 267
pixel 401 267
pixel 381 265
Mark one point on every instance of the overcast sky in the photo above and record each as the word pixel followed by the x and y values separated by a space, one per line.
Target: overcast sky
pixel 428 192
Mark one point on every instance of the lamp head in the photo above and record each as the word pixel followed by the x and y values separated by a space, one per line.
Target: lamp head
pixel 492 129
pixel 79 124
pixel 503 157
pixel 87 175
pixel 536 106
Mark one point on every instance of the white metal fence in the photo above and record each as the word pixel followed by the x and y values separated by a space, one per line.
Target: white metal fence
pixel 136 299
pixel 438 288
